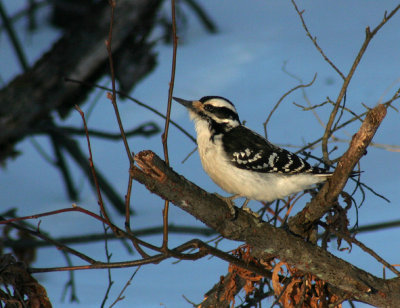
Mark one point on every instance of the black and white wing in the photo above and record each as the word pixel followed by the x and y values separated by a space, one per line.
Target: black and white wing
pixel 248 150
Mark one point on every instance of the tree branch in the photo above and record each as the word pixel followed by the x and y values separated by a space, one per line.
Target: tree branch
pixel 95 237
pixel 315 209
pixel 368 37
pixel 32 96
pixel 265 239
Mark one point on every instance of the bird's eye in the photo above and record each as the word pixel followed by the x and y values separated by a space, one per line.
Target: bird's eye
pixel 208 108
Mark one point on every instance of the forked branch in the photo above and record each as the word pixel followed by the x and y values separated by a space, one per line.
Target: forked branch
pixel 315 209
pixel 265 239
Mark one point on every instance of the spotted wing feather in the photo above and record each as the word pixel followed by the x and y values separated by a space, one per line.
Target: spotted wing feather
pixel 248 150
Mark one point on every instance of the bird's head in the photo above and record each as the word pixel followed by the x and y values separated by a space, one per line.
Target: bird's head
pixel 215 110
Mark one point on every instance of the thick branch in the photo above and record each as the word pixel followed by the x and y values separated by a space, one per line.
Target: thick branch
pixel 265 239
pixel 80 54
pixel 315 209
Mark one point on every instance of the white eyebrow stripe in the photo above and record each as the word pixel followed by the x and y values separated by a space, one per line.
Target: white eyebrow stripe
pixel 217 102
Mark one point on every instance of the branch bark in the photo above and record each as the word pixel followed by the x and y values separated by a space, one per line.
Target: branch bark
pixel 79 54
pixel 315 209
pixel 265 239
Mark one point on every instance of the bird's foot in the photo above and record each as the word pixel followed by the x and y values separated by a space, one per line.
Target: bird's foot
pixel 248 210
pixel 231 205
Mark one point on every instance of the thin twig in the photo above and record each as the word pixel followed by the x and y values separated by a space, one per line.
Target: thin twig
pixel 99 197
pixel 378 226
pixel 203 250
pixel 132 237
pixel 73 149
pixel 120 295
pixel 70 283
pixel 113 96
pixel 74 208
pixel 368 37
pixel 118 232
pixel 303 90
pixel 146 130
pixel 371 227
pixel 57 244
pixel 136 101
pixel 101 265
pixel 291 203
pixel 387 104
pixel 314 40
pixel 95 237
pixel 167 120
pixel 367 250
pixel 127 208
pixel 282 98
pixel 108 258
pixel 321 203
pixel 190 154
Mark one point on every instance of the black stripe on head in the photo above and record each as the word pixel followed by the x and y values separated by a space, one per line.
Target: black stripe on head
pixel 222 108
pixel 222 112
pixel 207 98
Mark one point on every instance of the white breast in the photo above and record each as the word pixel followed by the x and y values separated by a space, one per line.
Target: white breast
pixel 252 185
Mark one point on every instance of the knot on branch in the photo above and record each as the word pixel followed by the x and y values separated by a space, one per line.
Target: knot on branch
pixel 151 165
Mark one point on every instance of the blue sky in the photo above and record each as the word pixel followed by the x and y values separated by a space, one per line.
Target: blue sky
pixel 242 62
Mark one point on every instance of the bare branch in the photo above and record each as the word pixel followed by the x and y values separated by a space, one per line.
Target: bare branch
pixel 55 243
pixel 113 96
pixel 367 250
pixel 315 209
pixel 282 98
pixel 120 295
pixel 387 104
pixel 314 40
pixel 368 37
pixel 147 129
pixel 167 119
pixel 136 101
pixel 265 239
pixel 91 238
pixel 94 175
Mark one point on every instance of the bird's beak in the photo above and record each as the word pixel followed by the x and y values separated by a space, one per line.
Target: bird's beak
pixel 191 105
pixel 187 104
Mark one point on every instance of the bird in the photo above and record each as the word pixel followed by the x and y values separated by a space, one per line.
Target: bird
pixel 241 161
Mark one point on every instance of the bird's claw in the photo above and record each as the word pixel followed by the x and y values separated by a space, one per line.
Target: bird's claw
pixel 248 210
pixel 231 205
